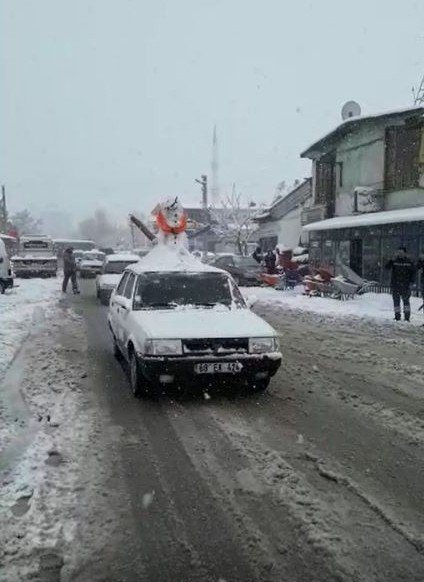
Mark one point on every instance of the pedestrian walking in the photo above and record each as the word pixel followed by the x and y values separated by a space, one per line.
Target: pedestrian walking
pixel 257 255
pixel 402 276
pixel 69 270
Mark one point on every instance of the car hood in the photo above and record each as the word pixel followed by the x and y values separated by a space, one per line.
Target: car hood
pixel 109 280
pixel 202 323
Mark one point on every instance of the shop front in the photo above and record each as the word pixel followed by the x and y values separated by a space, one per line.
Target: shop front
pixel 366 248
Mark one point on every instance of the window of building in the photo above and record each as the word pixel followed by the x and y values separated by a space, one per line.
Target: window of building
pixel 402 157
pixel 325 182
pixel 372 258
pixel 340 174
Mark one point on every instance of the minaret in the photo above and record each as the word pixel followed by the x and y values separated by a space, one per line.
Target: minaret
pixel 214 170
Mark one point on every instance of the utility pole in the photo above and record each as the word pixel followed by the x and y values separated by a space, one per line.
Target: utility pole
pixel 3 210
pixel 204 184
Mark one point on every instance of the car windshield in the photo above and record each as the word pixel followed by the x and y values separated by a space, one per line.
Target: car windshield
pixel 170 290
pixel 245 262
pixel 116 267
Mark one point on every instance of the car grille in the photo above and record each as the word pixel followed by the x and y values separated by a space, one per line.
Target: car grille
pixel 216 346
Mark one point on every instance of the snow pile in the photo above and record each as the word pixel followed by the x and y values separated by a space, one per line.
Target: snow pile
pixel 46 490
pixel 369 305
pixel 20 310
pixel 171 258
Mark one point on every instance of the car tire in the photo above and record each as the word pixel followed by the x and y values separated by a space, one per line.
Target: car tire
pixel 2 288
pixel 103 297
pixel 116 350
pixel 259 385
pixel 139 384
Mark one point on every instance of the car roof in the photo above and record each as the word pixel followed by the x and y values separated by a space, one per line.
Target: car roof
pixel 163 258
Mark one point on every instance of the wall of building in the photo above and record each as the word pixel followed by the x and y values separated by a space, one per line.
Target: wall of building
pixel 404 199
pixel 362 157
pixel 288 229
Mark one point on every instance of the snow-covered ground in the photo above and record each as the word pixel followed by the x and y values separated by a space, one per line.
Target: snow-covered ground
pixel 370 305
pixel 20 309
pixel 44 467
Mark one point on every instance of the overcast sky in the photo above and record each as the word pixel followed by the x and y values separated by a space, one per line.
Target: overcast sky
pixel 112 102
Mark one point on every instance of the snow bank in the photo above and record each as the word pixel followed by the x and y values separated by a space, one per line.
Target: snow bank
pixel 369 305
pixel 20 309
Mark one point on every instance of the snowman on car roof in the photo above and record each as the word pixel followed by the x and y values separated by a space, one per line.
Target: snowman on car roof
pixel 171 221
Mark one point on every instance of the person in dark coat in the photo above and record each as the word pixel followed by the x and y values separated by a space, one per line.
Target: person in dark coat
pixel 402 276
pixel 270 262
pixel 257 254
pixel 69 270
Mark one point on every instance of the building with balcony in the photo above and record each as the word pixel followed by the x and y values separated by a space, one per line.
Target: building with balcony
pixel 367 191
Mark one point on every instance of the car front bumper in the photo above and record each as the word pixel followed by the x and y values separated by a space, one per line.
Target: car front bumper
pixel 181 369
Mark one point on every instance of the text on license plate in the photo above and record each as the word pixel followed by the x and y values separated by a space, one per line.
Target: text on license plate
pixel 218 368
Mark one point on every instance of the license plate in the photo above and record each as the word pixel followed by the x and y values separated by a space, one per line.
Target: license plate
pixel 218 368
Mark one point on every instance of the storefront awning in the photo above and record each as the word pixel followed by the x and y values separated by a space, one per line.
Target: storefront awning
pixel 415 214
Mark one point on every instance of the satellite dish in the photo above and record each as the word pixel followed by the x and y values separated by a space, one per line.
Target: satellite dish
pixel 350 109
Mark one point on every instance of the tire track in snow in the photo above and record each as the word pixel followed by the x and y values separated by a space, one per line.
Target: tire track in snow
pixel 336 513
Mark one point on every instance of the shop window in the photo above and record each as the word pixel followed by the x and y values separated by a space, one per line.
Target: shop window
pixel 389 246
pixel 371 259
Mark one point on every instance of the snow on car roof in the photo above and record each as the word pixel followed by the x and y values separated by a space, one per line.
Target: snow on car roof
pixel 124 258
pixel 413 214
pixel 167 258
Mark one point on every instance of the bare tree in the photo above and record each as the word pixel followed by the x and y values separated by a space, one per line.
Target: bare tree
pixel 24 223
pixel 103 230
pixel 234 220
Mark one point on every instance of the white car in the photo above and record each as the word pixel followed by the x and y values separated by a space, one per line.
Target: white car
pixel 111 272
pixel 91 264
pixel 176 320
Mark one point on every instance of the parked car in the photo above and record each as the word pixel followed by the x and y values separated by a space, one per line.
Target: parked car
pixel 180 322
pixel 6 275
pixel 91 264
pixel 245 270
pixel 112 269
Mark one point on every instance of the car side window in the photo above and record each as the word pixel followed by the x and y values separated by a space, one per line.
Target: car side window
pixel 121 285
pixel 128 291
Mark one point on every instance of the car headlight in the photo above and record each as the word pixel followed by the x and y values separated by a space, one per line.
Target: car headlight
pixel 262 345
pixel 164 347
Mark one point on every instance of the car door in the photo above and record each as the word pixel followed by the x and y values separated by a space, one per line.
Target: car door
pixel 115 307
pixel 126 309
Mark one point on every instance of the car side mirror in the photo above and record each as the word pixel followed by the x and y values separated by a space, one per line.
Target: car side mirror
pixel 251 300
pixel 1 260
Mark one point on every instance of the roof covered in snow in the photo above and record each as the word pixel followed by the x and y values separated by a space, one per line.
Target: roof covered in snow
pixel 369 219
pixel 171 258
pixel 348 124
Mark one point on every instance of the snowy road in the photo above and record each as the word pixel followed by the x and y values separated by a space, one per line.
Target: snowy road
pixel 318 480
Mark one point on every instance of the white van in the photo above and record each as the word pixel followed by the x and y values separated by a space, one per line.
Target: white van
pixel 6 276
